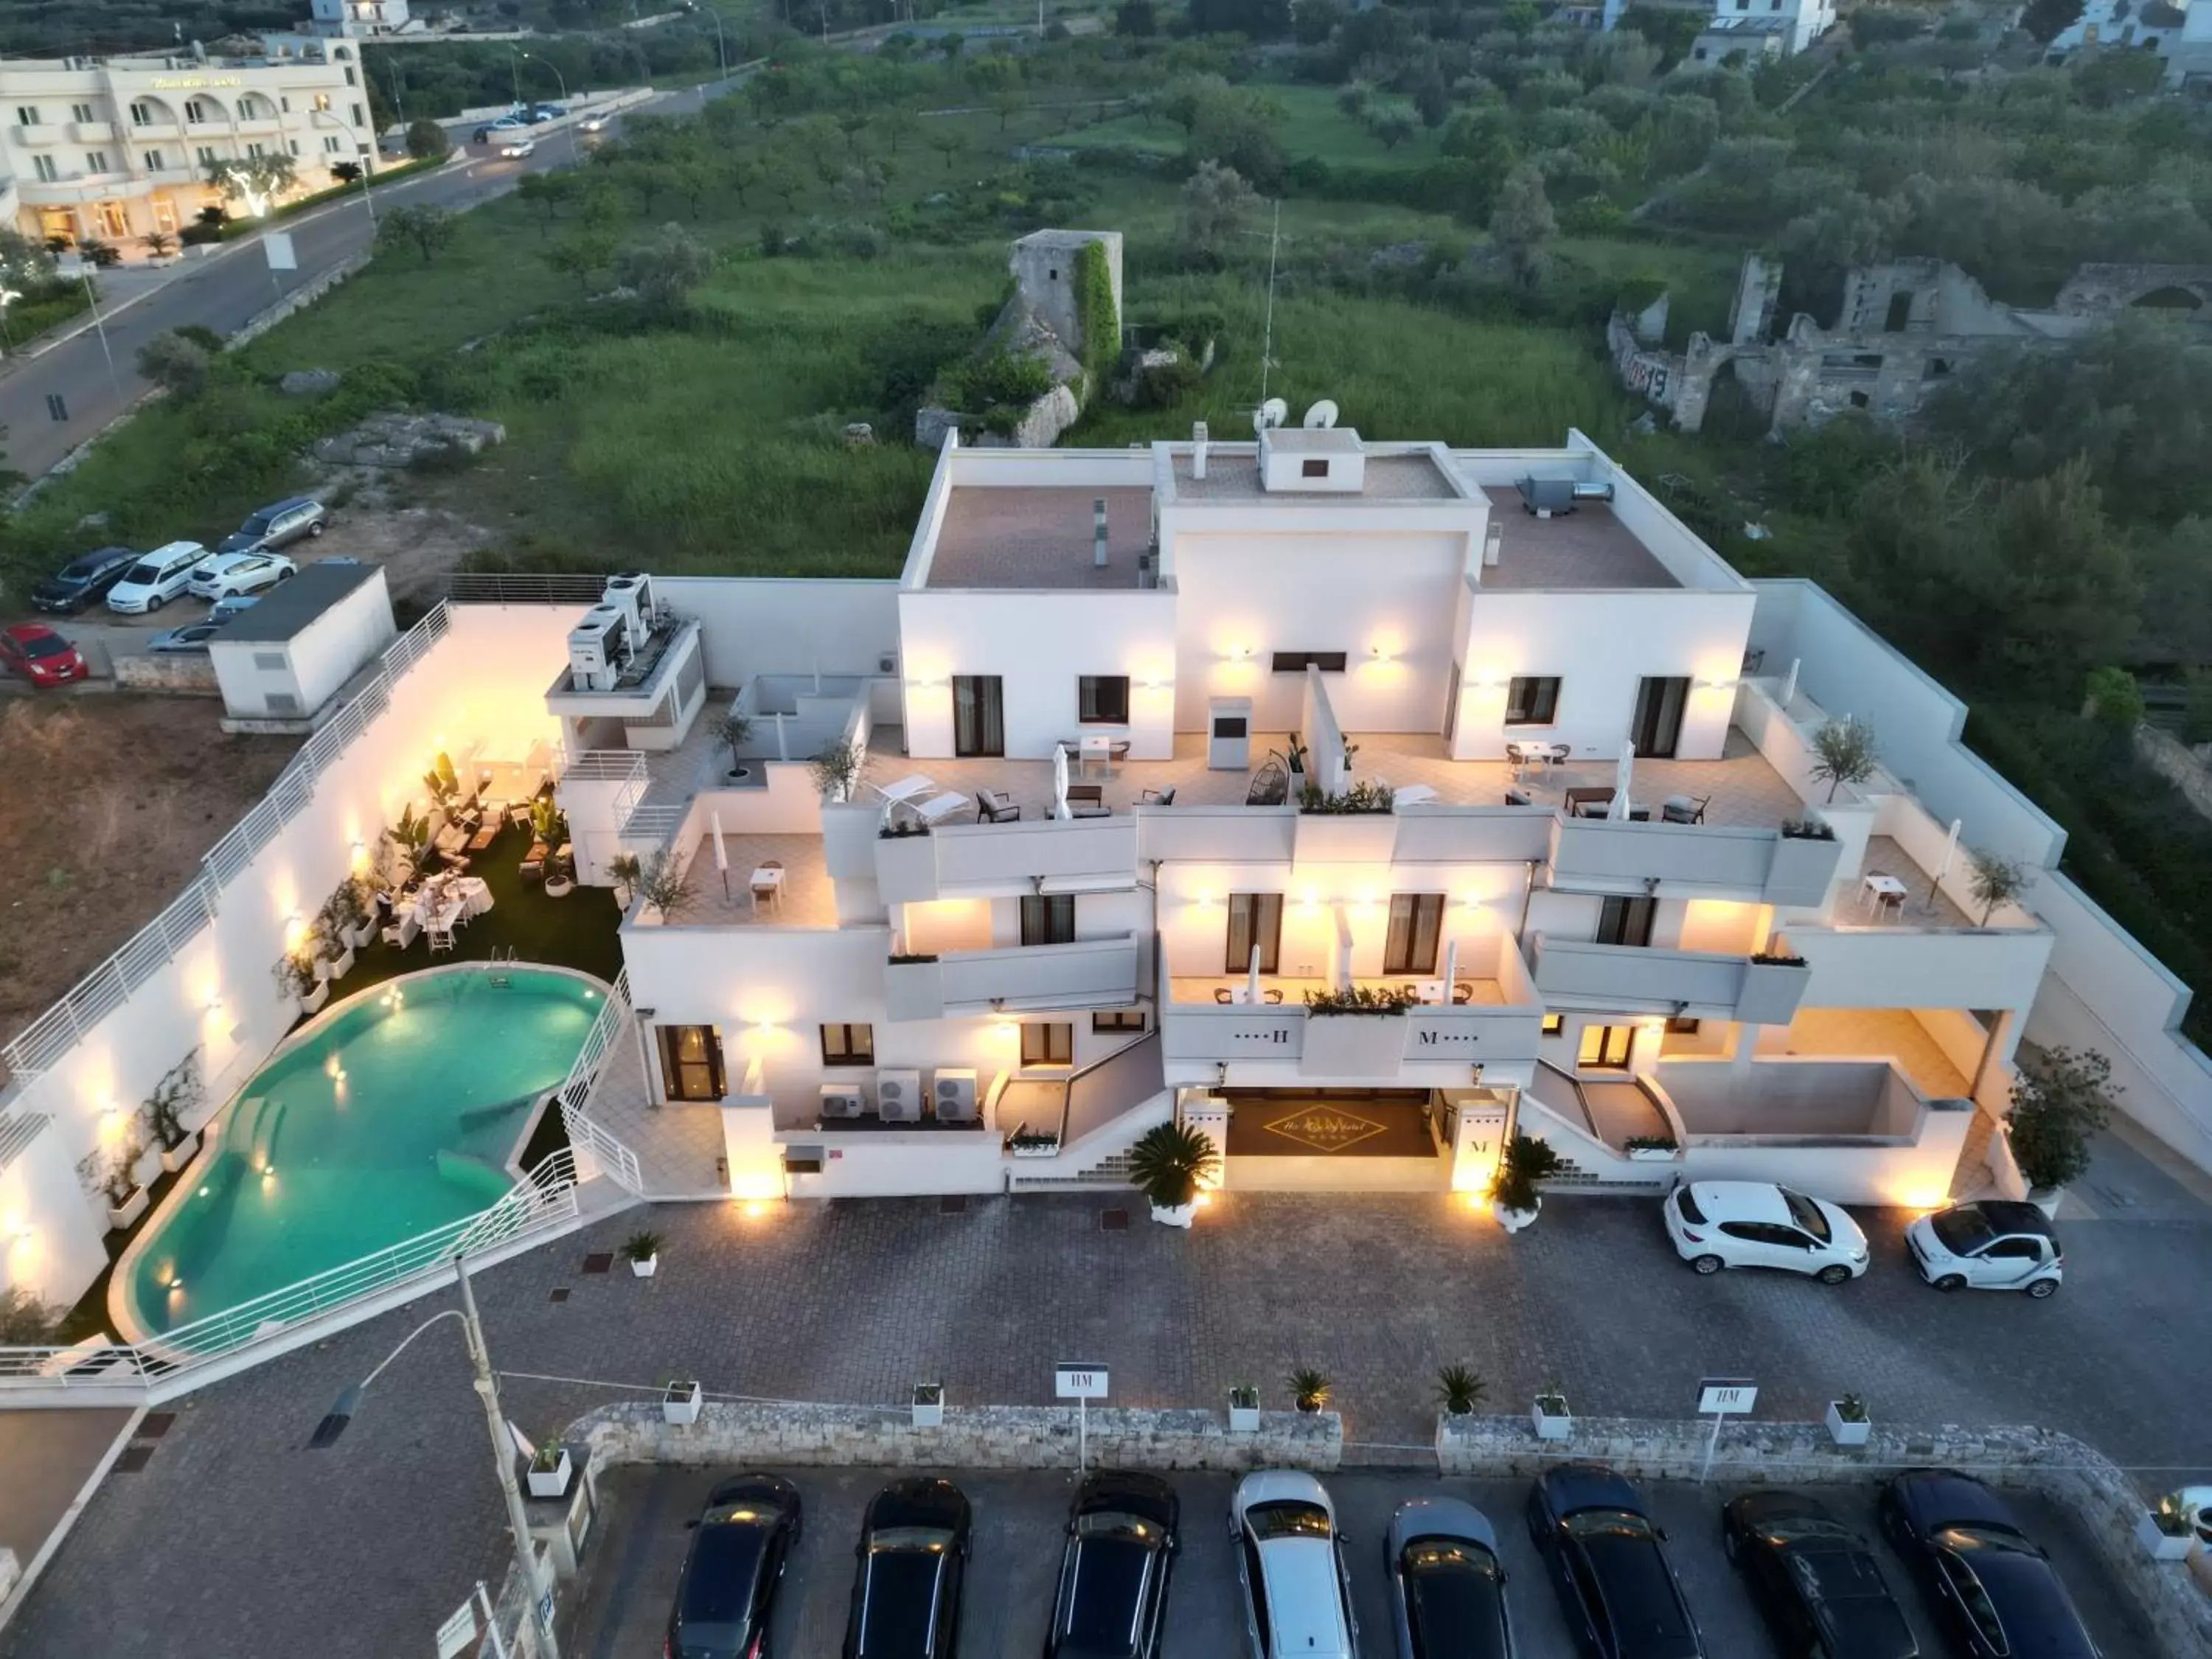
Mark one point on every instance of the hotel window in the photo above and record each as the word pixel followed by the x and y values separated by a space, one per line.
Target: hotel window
pixel 153 160
pixel 196 109
pixel 1296 662
pixel 1554 1024
pixel 1048 919
pixel 1255 918
pixel 284 103
pixel 81 112
pixel 690 1062
pixel 95 160
pixel 1117 1019
pixel 206 155
pixel 1533 701
pixel 1605 1048
pixel 1626 921
pixel 1048 1045
pixel 1417 922
pixel 44 166
pixel 1103 700
pixel 848 1045
pixel 142 115
pixel 356 108
pixel 293 145
pixel 256 148
pixel 332 144
pixel 27 115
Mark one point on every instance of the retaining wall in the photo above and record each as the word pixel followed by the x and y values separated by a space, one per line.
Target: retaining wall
pixel 175 671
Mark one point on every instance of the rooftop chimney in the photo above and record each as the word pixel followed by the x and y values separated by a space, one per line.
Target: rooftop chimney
pixel 1198 449
pixel 1098 533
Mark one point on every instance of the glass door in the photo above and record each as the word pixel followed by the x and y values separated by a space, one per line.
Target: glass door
pixel 1657 726
pixel 1255 918
pixel 979 719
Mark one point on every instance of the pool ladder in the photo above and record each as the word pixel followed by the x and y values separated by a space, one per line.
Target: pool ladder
pixel 498 968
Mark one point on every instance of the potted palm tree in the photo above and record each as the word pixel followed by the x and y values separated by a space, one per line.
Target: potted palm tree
pixel 1460 1390
pixel 1168 1164
pixel 642 1251
pixel 1513 1198
pixel 625 868
pixel 1244 1409
pixel 1309 1390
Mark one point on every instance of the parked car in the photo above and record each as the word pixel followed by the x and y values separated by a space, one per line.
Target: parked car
pixel 236 605
pixel 1447 1587
pixel 914 1554
pixel 157 578
pixel 1113 1596
pixel 40 655
pixel 547 112
pixel 1754 1223
pixel 191 637
pixel 1290 1562
pixel 492 129
pixel 82 580
pixel 1996 1244
pixel 1608 1564
pixel 1994 1591
pixel 727 1594
pixel 516 144
pixel 276 524
pixel 1814 1580
pixel 227 574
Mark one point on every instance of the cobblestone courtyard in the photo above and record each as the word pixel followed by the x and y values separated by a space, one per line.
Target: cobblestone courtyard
pixel 234 1540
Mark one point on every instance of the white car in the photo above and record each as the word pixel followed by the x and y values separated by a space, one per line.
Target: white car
pixel 1997 1244
pixel 160 576
pixel 1754 1223
pixel 593 124
pixel 1290 1560
pixel 229 574
pixel 517 145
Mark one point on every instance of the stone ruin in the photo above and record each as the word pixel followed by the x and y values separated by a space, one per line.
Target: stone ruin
pixel 1903 329
pixel 394 439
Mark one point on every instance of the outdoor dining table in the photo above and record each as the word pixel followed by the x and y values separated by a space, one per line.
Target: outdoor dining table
pixel 440 904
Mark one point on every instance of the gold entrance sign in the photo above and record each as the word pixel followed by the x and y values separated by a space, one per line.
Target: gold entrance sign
pixel 1325 1128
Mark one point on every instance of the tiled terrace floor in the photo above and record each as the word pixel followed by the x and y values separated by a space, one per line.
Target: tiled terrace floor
pixel 678 1146
pixel 1890 1033
pixel 810 898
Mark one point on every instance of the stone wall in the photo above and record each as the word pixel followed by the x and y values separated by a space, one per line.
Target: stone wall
pixel 186 672
pixel 2060 1467
pixel 2176 763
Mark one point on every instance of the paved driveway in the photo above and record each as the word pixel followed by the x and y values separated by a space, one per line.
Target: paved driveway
pixel 233 1541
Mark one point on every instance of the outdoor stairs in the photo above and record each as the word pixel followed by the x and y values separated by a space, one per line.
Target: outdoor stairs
pixel 1111 1171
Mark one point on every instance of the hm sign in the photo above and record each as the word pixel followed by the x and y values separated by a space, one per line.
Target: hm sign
pixel 1723 1396
pixel 1079 1382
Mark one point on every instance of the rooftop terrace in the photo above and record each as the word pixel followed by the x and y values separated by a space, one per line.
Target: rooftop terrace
pixel 1231 476
pixel 1017 537
pixel 1587 547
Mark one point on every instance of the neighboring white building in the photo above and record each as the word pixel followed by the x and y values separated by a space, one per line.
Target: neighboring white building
pixel 280 662
pixel 1795 23
pixel 115 148
pixel 2139 25
pixel 352 19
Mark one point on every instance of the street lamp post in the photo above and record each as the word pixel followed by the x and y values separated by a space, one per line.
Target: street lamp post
pixel 563 81
pixel 366 201
pixel 721 48
pixel 502 1445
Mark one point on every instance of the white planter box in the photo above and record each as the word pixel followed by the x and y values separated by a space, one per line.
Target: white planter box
pixel 1243 1420
pixel 1845 1432
pixel 324 968
pixel 646 1269
pixel 1653 1154
pixel 2047 1200
pixel 320 995
pixel 362 935
pixel 1179 1216
pixel 553 1482
pixel 175 1159
pixel 344 965
pixel 929 1414
pixel 1048 1149
pixel 680 1402
pixel 1551 1427
pixel 1514 1220
pixel 122 1215
pixel 2158 1546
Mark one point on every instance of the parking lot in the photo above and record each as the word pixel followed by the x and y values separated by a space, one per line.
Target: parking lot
pixel 620 1607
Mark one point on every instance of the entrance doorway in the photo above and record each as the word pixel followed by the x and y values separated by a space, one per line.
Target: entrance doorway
pixel 114 223
pixel 1657 726
pixel 57 225
pixel 1330 1139
pixel 979 715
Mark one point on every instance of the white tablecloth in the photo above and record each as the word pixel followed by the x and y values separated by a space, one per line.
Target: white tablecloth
pixel 440 904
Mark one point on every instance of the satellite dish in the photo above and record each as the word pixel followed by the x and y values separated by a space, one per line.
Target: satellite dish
pixel 1322 414
pixel 1276 411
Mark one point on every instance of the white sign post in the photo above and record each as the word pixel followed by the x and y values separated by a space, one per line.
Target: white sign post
pixel 1082 1383
pixel 1722 1398
pixel 276 244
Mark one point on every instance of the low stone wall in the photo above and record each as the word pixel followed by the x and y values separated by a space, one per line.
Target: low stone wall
pixel 181 672
pixel 2061 1468
pixel 2177 763
pixel 972 1438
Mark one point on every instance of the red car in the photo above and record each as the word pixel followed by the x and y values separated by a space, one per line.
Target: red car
pixel 40 655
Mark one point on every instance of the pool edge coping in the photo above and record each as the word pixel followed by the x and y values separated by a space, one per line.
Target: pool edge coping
pixel 121 1312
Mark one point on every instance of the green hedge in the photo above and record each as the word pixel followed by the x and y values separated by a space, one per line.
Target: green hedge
pixel 47 307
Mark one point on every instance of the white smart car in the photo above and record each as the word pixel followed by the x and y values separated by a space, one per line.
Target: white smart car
pixel 1290 1564
pixel 1755 1223
pixel 1996 1244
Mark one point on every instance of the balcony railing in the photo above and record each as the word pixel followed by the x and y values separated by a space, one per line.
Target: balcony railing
pixel 1645 978
pixel 1695 860
pixel 1088 973
pixel 973 859
pixel 1363 1045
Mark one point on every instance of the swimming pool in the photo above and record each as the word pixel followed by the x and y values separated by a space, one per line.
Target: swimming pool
pixel 394 1114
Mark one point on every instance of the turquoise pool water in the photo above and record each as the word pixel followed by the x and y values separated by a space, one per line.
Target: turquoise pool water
pixel 395 1116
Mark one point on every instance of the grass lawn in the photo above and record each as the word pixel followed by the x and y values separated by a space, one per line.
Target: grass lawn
pixel 1312 125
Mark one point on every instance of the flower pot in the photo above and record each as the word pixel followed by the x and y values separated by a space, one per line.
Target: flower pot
pixel 553 1482
pixel 321 994
pixel 2047 1200
pixel 1651 1154
pixel 324 968
pixel 175 1159
pixel 645 1268
pixel 680 1403
pixel 559 886
pixel 1549 1424
pixel 928 1414
pixel 1243 1420
pixel 341 965
pixel 1845 1432
pixel 1514 1220
pixel 122 1215
pixel 357 937
pixel 1036 1148
pixel 1178 1216
pixel 2161 1546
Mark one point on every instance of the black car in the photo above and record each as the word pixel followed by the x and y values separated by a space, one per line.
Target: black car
pixel 1113 1597
pixel 83 580
pixel 727 1595
pixel 1816 1583
pixel 905 1592
pixel 1993 1588
pixel 1609 1563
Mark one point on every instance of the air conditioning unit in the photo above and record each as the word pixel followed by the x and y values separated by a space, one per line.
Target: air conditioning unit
pixel 955 1094
pixel 843 1100
pixel 887 663
pixel 598 649
pixel 898 1097
pixel 631 594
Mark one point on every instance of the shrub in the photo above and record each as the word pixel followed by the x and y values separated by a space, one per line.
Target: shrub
pixel 2115 701
pixel 2060 1102
pixel 1528 1160
pixel 998 379
pixel 1169 1162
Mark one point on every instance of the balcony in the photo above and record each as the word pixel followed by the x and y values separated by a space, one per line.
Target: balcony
pixel 92 132
pixel 1090 973
pixel 1604 855
pixel 1643 978
pixel 1888 967
pixel 981 861
pixel 1374 1047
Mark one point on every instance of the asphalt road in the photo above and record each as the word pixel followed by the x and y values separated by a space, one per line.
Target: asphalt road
pixel 225 290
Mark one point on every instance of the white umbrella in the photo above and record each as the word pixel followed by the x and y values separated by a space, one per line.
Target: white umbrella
pixel 1950 852
pixel 1341 963
pixel 722 853
pixel 1789 685
pixel 1621 777
pixel 1252 979
pixel 1451 969
pixel 1060 781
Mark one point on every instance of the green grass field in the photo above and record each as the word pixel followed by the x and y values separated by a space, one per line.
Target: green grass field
pixel 1312 125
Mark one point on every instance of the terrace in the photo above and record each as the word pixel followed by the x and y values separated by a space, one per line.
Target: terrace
pixel 1589 548
pixel 1040 536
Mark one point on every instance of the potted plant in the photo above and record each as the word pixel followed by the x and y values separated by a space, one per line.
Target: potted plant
pixel 560 879
pixel 1460 1390
pixel 1026 1142
pixel 1169 1164
pixel 334 925
pixel 1513 1198
pixel 295 977
pixel 443 783
pixel 1296 755
pixel 928 1404
pixel 642 1251
pixel 410 834
pixel 2060 1101
pixel 1650 1149
pixel 1844 751
pixel 1309 1390
pixel 1550 1415
pixel 2164 1530
pixel 625 868
pixel 731 730
pixel 1244 1409
pixel 176 1095
pixel 680 1400
pixel 550 1470
pixel 836 767
pixel 664 883
pixel 110 1173
pixel 1847 1421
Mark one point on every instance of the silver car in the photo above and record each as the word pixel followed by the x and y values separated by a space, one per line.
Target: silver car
pixel 1447 1585
pixel 276 524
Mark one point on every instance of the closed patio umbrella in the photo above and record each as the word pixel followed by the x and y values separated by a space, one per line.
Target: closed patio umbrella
pixel 722 853
pixel 1451 969
pixel 1060 781
pixel 1252 979
pixel 1950 852
pixel 1623 775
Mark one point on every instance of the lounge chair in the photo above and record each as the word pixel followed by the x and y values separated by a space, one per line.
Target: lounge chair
pixel 1684 809
pixel 1271 786
pixel 1222 994
pixel 1158 797
pixel 995 806
pixel 1088 800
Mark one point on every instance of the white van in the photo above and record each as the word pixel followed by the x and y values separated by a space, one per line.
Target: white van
pixel 155 580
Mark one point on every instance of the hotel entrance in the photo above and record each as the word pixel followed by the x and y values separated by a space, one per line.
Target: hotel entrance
pixel 1334 1139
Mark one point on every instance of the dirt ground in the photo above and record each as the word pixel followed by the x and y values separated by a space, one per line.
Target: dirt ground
pixel 109 804
pixel 385 520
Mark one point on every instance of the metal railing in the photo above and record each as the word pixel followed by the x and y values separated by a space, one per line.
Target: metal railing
pixel 615 1158
pixel 544 1199
pixel 40 1044
pixel 524 587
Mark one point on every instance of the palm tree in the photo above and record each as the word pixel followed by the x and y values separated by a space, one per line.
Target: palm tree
pixel 1169 1162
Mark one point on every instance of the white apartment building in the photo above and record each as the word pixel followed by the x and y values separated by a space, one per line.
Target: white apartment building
pixel 351 19
pixel 1763 28
pixel 116 148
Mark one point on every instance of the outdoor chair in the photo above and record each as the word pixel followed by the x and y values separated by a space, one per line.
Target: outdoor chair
pixel 1271 786
pixel 1272 995
pixel 1158 797
pixel 1087 800
pixel 1222 994
pixel 1684 809
pixel 772 891
pixel 441 938
pixel 995 806
pixel 1518 797
pixel 1462 992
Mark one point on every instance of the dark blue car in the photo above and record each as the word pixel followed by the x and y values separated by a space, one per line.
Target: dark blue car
pixel 1994 1591
pixel 1607 1559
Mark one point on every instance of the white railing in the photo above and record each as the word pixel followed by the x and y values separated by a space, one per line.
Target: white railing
pixel 616 1158
pixel 100 993
pixel 544 1200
